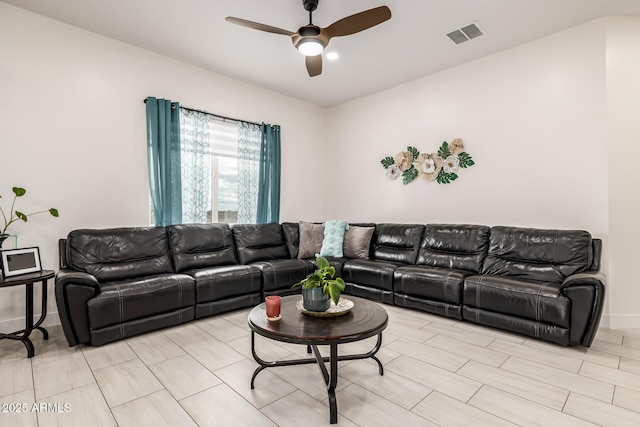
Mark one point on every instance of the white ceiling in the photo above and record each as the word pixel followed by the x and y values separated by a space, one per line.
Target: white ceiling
pixel 408 46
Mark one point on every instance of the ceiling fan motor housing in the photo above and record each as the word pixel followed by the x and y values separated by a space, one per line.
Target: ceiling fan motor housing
pixel 310 5
pixel 309 30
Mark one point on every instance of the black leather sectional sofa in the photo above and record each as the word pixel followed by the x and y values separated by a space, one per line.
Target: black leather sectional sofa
pixel 116 283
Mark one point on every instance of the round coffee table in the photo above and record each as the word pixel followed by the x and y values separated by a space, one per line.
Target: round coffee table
pixel 365 320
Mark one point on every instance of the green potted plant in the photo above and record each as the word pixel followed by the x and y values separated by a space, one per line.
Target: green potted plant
pixel 320 287
pixel 15 215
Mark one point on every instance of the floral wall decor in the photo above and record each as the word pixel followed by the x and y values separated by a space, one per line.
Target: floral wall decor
pixel 441 167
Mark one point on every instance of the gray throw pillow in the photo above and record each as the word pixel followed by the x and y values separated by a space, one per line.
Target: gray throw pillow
pixel 311 236
pixel 357 241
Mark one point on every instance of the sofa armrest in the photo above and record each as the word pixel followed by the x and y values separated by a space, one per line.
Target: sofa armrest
pixel 586 292
pixel 73 289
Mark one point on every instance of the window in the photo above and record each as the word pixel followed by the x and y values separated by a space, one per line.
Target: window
pixel 204 168
pixel 209 160
pixel 224 172
pixel 209 169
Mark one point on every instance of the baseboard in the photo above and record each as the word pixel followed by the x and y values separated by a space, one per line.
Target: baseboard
pixel 605 322
pixel 620 321
pixel 17 324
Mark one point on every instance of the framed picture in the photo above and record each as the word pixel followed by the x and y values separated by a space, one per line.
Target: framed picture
pixel 20 261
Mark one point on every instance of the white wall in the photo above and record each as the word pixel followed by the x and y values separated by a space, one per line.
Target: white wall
pixel 623 134
pixel 553 127
pixel 549 125
pixel 533 118
pixel 73 131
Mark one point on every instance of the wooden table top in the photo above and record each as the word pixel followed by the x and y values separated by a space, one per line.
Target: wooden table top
pixel 365 319
pixel 23 279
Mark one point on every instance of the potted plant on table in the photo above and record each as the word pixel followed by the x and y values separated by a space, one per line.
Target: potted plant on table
pixel 320 287
pixel 15 215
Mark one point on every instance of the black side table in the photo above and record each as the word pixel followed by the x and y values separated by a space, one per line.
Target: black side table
pixel 28 280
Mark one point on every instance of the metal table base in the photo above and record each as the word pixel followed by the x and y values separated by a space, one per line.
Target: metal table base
pixel 330 376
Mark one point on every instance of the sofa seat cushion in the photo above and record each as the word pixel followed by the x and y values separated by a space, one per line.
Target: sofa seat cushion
pixel 283 273
pixel 432 283
pixel 539 301
pixel 127 300
pixel 217 283
pixel 376 274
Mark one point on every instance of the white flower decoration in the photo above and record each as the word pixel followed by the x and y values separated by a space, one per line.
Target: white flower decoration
pixel 426 166
pixel 451 164
pixel 393 172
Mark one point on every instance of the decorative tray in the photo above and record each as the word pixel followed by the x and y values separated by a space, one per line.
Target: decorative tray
pixel 343 307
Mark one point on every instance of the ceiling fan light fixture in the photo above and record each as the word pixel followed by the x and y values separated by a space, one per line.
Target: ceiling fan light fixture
pixel 310 47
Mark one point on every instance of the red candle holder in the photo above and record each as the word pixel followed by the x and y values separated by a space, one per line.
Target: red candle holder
pixel 272 304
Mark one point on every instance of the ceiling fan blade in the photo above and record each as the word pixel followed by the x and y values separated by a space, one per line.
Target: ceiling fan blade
pixel 359 22
pixel 314 65
pixel 258 26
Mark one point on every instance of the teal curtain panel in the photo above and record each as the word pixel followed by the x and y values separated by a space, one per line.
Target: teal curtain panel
pixel 269 175
pixel 163 154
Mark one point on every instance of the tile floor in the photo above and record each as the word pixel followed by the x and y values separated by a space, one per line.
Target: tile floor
pixel 437 372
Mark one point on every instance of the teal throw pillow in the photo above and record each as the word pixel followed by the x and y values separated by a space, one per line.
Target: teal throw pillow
pixel 333 238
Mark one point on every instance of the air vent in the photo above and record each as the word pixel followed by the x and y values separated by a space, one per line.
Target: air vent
pixel 466 33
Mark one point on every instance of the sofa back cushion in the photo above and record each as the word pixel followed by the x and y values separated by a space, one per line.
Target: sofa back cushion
pixel 259 242
pixel 356 244
pixel 357 241
pixel 291 232
pixel 461 247
pixel 201 245
pixel 535 254
pixel 310 241
pixel 397 242
pixel 119 253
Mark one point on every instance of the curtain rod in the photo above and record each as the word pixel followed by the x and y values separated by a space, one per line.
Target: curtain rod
pixel 173 105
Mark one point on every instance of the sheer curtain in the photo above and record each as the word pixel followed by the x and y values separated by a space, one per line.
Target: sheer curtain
pixel 249 138
pixel 269 175
pixel 163 156
pixel 196 165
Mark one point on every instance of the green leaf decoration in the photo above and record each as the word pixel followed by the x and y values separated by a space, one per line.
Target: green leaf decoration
pixel 387 161
pixel 312 281
pixel 465 160
pixel 446 178
pixel 331 272
pixel 409 175
pixel 322 263
pixel 443 151
pixel 18 191
pixel 13 215
pixel 334 293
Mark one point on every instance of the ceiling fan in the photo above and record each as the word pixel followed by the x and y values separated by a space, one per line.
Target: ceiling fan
pixel 311 40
